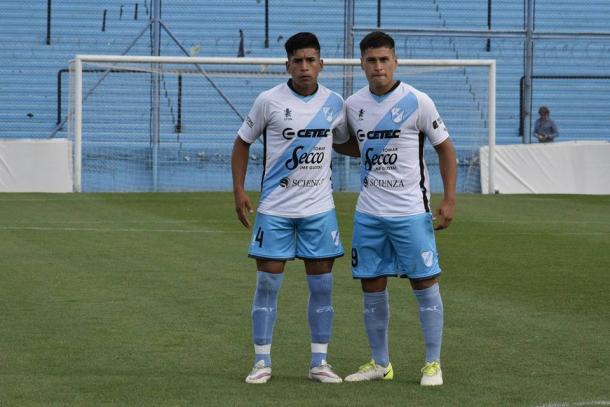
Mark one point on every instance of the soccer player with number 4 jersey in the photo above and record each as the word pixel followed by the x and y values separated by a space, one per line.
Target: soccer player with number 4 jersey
pixel 393 225
pixel 296 212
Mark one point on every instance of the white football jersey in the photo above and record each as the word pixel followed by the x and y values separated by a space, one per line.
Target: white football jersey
pixel 391 131
pixel 298 136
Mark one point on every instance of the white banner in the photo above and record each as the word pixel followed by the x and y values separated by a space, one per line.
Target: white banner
pixel 34 165
pixel 570 167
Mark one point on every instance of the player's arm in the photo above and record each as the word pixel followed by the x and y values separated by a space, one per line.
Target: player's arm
pixel 344 140
pixel 239 165
pixel 350 147
pixel 430 122
pixel 448 167
pixel 249 132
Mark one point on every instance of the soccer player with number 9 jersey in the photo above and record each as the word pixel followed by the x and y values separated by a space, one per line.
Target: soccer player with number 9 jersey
pixel 393 226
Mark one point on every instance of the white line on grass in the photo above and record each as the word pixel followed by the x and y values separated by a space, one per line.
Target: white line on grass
pixel 120 230
pixel 126 197
pixel 578 404
pixel 212 231
pixel 541 221
pixel 132 222
pixel 539 233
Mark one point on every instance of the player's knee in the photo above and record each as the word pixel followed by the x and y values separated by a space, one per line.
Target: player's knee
pixel 423 284
pixel 372 285
pixel 318 267
pixel 268 284
pixel 320 286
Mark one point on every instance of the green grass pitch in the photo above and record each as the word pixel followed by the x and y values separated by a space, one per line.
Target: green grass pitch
pixel 144 299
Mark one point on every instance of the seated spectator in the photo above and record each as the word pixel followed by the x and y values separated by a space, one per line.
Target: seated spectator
pixel 545 128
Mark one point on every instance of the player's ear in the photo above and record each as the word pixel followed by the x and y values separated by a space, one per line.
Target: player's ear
pixel 287 63
pixel 321 64
pixel 362 63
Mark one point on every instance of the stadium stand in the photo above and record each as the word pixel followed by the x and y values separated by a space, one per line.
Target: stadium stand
pixel 29 74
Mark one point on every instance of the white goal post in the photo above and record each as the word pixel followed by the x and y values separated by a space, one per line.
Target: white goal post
pixel 77 89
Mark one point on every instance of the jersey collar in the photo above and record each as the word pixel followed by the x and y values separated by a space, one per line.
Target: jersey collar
pixel 381 98
pixel 298 95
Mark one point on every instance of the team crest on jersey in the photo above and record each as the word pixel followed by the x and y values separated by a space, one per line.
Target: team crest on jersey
pixel 361 114
pixel 287 114
pixel 328 113
pixel 397 114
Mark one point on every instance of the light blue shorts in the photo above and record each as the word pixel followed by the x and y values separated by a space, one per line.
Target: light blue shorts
pixel 314 237
pixel 394 246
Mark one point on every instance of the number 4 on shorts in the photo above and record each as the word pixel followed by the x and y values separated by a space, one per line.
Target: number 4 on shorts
pixel 259 237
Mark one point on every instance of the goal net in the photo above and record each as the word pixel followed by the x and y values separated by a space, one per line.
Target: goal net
pixel 143 123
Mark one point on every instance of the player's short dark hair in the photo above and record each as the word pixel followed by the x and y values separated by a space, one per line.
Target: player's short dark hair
pixel 376 39
pixel 301 40
pixel 544 110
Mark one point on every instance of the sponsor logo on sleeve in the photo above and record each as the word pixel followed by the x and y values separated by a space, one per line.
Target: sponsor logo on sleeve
pixel 249 122
pixel 437 123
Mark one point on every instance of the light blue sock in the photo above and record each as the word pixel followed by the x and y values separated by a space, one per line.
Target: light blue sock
pixel 376 320
pixel 264 310
pixel 431 320
pixel 320 314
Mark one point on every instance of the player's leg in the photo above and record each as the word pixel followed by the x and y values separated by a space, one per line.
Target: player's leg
pixel 318 244
pixel 372 262
pixel 431 320
pixel 377 318
pixel 320 313
pixel 413 238
pixel 320 310
pixel 269 279
pixel 272 244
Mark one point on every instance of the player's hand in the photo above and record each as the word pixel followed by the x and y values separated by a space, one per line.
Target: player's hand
pixel 444 215
pixel 243 207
